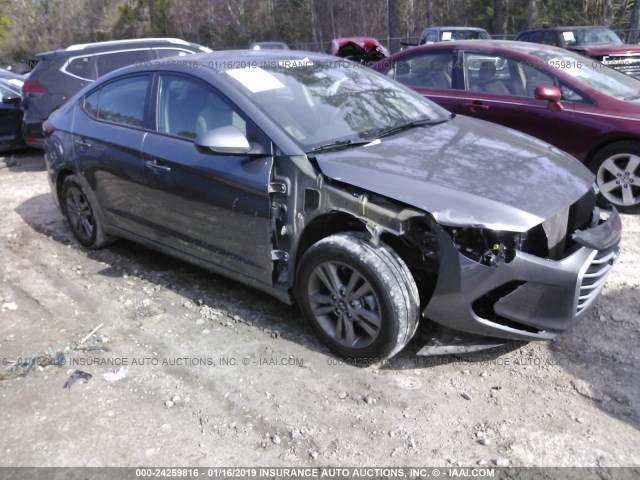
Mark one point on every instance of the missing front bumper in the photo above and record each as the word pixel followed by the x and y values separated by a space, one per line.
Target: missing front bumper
pixel 544 296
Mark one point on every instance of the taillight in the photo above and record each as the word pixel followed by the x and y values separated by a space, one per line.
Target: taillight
pixel 33 87
pixel 47 128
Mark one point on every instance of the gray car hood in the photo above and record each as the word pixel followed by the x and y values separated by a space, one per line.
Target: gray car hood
pixel 466 172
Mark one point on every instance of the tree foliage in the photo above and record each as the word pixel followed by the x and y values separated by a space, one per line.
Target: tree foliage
pixel 28 27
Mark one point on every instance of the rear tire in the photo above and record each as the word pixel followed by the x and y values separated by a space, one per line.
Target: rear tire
pixel 617 169
pixel 360 299
pixel 82 214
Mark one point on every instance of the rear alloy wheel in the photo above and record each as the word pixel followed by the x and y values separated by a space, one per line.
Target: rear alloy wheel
pixel 80 211
pixel 359 298
pixel 617 169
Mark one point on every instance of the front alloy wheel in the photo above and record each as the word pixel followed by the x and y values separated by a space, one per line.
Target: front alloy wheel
pixel 344 304
pixel 358 296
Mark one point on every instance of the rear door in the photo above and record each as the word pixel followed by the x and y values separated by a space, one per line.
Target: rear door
pixel 109 128
pixel 213 207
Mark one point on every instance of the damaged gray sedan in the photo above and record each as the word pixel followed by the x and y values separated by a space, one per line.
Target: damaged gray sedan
pixel 321 182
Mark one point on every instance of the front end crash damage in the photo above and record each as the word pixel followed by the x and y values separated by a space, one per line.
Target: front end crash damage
pixel 524 286
pixel 309 206
pixel 474 279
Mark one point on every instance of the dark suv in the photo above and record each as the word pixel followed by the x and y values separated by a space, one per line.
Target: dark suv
pixel 599 43
pixel 61 73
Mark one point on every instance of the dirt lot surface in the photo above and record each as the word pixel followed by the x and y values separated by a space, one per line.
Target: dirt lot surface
pixel 222 375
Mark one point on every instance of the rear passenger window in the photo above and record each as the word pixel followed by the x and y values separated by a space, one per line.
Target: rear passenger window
pixel 109 62
pixel 493 74
pixel 536 37
pixel 170 52
pixel 549 38
pixel 81 67
pixel 428 70
pixel 121 102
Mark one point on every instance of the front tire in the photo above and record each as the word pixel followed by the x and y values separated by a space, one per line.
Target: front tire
pixel 81 211
pixel 360 299
pixel 617 169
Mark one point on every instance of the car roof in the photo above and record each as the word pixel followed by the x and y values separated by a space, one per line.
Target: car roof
pixel 223 60
pixel 574 27
pixel 512 45
pixel 456 28
pixel 269 42
pixel 119 45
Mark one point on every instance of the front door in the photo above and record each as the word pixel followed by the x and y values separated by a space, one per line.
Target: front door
pixel 213 207
pixel 500 89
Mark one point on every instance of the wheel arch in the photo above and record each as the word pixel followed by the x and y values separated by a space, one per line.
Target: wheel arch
pixel 325 225
pixel 405 242
pixel 60 178
pixel 606 143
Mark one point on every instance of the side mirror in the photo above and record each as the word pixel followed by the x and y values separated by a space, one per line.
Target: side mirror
pixel 227 141
pixel 551 94
pixel 12 99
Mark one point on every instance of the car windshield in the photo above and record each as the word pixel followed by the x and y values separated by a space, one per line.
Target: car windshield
pixel 332 102
pixel 464 35
pixel 592 73
pixel 590 36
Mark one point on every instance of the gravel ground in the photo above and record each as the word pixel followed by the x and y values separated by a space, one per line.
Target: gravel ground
pixel 222 375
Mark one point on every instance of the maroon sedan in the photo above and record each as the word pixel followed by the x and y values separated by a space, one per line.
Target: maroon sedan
pixel 575 103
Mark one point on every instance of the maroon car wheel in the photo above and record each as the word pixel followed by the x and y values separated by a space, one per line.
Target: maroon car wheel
pixel 617 169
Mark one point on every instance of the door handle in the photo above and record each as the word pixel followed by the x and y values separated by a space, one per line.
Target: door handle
pixel 83 144
pixel 477 106
pixel 152 164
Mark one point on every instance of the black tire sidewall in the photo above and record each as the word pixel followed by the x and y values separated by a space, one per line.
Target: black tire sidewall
pixel 69 183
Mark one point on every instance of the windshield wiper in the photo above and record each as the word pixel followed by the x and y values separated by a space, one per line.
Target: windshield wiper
pixel 338 144
pixel 632 97
pixel 383 133
pixel 410 125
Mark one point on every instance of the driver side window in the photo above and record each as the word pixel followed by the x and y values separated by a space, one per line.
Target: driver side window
pixel 187 108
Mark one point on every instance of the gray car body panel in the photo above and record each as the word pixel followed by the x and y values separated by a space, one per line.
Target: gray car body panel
pixel 433 172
